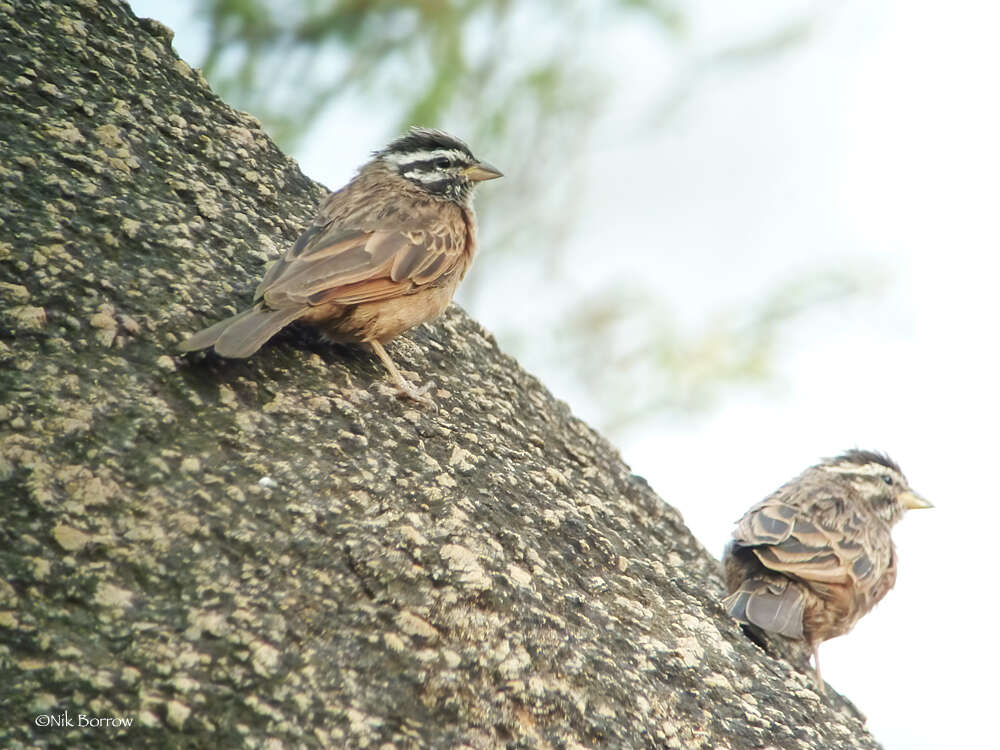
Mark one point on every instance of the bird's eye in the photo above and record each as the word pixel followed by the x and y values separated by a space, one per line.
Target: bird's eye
pixel 887 479
pixel 442 163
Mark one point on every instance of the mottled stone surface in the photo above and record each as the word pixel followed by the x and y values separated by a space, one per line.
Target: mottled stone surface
pixel 277 552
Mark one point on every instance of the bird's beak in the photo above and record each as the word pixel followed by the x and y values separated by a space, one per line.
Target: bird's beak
pixel 912 500
pixel 482 171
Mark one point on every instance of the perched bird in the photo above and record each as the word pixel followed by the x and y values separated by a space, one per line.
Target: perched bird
pixel 385 253
pixel 815 556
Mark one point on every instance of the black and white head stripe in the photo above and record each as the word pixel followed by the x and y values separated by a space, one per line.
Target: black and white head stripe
pixel 861 458
pixel 424 144
pixel 432 159
pixel 863 464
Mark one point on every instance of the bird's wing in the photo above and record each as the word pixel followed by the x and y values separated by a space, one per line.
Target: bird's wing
pixel 338 263
pixel 785 540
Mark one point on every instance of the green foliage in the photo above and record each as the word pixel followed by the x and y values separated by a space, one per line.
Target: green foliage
pixel 286 61
pixel 682 372
pixel 524 81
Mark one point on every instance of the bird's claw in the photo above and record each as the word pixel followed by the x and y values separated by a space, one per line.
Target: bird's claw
pixel 406 389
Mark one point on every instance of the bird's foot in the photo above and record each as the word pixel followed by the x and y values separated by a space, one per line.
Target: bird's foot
pixel 820 685
pixel 406 389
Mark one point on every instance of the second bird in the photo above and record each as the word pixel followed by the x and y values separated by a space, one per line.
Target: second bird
pixel 814 557
pixel 384 254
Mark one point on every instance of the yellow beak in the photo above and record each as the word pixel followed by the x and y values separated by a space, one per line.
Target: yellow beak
pixel 912 500
pixel 482 171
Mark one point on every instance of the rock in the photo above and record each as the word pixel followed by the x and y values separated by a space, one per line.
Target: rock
pixel 277 551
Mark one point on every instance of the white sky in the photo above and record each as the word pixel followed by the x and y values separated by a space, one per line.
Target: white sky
pixel 877 140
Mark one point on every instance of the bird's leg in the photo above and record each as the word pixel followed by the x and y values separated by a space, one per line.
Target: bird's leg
pixel 819 676
pixel 404 386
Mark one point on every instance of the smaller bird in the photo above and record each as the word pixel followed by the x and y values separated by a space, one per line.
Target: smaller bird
pixel 815 556
pixel 384 254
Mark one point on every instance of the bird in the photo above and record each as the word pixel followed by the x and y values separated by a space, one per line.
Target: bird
pixel 383 254
pixel 816 555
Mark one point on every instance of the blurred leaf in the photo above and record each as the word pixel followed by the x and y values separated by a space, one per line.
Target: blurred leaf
pixel 651 367
pixel 770 45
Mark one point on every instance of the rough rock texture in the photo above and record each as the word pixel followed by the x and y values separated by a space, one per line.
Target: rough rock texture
pixel 278 552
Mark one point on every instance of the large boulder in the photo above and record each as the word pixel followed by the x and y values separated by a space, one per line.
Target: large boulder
pixel 279 552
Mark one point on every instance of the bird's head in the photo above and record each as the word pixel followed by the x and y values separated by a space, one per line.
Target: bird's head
pixel 438 163
pixel 878 481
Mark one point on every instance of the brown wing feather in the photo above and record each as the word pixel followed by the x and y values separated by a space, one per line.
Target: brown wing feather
pixel 314 240
pixel 783 540
pixel 345 265
pixel 363 291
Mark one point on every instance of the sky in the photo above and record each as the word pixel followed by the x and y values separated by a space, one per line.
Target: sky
pixel 876 142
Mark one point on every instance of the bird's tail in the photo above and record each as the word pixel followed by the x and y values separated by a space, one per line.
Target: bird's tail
pixel 243 334
pixel 774 604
